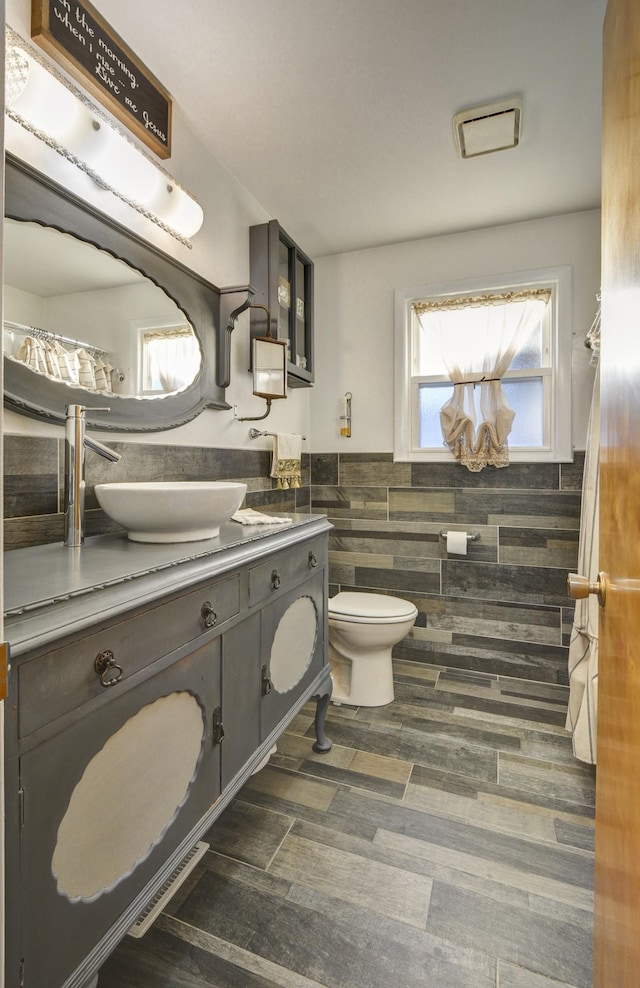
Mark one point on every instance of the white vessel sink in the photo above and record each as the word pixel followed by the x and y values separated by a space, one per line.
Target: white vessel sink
pixel 171 511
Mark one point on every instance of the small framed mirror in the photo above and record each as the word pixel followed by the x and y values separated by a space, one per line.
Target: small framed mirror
pixel 269 367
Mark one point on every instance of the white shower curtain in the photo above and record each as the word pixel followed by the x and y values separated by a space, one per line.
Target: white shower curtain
pixel 582 715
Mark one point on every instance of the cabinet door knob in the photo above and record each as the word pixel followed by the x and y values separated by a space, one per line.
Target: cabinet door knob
pixel 313 560
pixel 107 668
pixel 208 615
pixel 579 587
pixel 275 579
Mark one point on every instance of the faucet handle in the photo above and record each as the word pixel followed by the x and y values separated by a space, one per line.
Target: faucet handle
pixel 76 410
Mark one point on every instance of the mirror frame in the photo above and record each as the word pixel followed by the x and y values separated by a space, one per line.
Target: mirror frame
pixel 33 197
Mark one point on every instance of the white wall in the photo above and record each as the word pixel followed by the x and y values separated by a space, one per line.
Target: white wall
pixel 353 292
pixel 220 253
pixel 354 312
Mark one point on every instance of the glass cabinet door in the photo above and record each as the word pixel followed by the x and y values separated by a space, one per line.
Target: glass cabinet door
pixel 282 275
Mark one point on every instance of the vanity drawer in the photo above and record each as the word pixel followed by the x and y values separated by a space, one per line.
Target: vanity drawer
pixel 59 681
pixel 285 569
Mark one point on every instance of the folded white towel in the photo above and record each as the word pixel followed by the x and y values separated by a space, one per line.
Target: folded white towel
pixel 247 516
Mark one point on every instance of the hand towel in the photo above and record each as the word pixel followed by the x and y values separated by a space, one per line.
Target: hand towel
pixel 285 465
pixel 247 516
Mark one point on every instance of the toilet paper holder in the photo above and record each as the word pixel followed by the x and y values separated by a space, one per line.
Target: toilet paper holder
pixel 471 536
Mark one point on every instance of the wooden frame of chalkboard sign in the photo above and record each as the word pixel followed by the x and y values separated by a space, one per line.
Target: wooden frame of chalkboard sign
pixel 77 36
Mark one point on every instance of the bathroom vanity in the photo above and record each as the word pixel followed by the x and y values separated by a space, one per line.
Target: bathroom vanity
pixel 147 683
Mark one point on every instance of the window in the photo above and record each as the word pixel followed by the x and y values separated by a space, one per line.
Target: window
pixel 518 330
pixel 169 359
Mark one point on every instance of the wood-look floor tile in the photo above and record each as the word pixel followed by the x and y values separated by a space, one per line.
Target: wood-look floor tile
pixel 441 722
pixel 461 797
pixel 575 835
pixel 447 753
pixel 584 822
pixel 465 786
pixel 494 691
pixel 546 946
pixel 252 970
pixel 417 958
pixel 559 862
pixel 563 911
pixel 292 788
pixel 352 779
pixel 511 976
pixel 563 781
pixel 381 766
pixel 474 700
pixel 416 670
pixel 503 819
pixel 405 897
pixel 248 833
pixel 406 861
pixel 297 746
pixel 318 945
pixel 163 960
pixel 511 876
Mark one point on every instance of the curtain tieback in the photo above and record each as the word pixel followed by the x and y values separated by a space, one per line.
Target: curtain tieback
pixel 480 380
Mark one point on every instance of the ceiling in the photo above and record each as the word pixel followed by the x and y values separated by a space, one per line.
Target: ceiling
pixel 336 115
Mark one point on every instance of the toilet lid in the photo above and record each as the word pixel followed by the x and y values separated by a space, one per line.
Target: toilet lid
pixel 370 606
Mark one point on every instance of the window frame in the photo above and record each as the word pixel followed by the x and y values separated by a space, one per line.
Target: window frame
pixel 556 380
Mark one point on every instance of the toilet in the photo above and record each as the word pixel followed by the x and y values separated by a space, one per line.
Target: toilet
pixel 363 628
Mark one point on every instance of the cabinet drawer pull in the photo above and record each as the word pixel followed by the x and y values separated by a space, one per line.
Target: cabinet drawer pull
pixel 313 559
pixel 107 668
pixel 208 615
pixel 218 729
pixel 275 580
pixel 267 685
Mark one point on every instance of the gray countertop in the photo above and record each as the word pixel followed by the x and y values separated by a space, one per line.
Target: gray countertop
pixel 52 590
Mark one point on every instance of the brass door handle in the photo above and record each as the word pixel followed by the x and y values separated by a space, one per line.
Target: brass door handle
pixel 579 587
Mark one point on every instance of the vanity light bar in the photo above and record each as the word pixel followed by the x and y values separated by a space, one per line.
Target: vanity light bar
pixel 46 104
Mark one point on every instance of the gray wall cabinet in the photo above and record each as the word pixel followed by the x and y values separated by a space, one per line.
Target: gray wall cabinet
pixel 135 717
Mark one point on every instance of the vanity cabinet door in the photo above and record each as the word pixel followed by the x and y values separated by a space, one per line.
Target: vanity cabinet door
pixel 107 801
pixel 293 631
pixel 240 696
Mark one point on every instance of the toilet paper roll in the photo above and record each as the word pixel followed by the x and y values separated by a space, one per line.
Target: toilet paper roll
pixel 457 543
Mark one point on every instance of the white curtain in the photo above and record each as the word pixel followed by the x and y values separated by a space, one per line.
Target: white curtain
pixel 477 339
pixel 582 715
pixel 172 359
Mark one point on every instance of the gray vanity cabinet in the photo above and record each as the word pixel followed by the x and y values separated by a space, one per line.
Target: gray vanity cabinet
pixel 86 847
pixel 293 644
pixel 131 728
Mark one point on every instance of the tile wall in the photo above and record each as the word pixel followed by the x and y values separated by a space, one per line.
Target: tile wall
pixel 34 482
pixel 502 608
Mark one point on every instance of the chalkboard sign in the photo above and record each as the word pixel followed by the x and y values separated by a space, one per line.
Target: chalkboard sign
pixel 99 58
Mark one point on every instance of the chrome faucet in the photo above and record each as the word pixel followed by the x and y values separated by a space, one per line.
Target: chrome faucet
pixel 75 443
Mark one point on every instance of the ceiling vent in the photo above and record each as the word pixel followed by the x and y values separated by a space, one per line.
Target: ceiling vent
pixel 487 128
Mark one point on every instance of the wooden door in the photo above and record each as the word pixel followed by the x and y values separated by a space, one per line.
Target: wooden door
pixel 617 912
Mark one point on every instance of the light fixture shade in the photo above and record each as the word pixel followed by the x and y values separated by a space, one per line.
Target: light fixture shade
pixel 269 367
pixel 45 103
pixel 37 97
pixel 487 128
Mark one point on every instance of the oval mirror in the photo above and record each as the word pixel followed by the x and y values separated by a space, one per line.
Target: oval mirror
pixel 95 316
pixel 75 314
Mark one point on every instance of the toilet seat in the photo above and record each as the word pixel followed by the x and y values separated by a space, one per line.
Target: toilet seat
pixel 370 608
